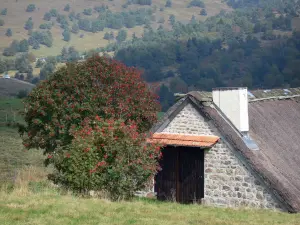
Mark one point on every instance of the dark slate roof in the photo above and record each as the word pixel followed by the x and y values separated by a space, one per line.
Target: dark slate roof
pixel 275 92
pixel 252 94
pixel 275 127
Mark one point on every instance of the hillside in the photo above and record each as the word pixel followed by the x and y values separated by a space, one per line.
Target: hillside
pixel 17 16
pixel 256 45
pixel 11 87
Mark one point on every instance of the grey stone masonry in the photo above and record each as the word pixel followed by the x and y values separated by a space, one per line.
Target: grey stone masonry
pixel 227 181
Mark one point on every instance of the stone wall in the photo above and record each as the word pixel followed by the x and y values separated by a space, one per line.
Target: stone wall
pixel 227 181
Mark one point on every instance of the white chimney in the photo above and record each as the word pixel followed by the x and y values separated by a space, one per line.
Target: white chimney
pixel 234 104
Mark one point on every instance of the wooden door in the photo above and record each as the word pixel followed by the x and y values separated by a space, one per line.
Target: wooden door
pixel 182 175
pixel 166 179
pixel 191 175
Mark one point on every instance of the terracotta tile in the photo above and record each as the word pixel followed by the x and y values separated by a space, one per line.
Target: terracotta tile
pixel 184 140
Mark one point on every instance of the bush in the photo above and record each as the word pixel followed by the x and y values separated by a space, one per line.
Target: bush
pixel 47 16
pixel 75 28
pixel 98 86
pixel 8 32
pixel 203 12
pixel 106 155
pixel 88 12
pixel 168 3
pixel 43 26
pixel 29 24
pixel 4 12
pixel 142 2
pixel 67 8
pixel 196 3
pixel 53 12
pixel 30 8
pixel 67 35
pixel 1 22
pixel 22 94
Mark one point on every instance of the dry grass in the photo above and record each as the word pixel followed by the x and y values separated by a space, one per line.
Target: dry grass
pixel 16 17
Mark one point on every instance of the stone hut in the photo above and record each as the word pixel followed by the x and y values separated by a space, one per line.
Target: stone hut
pixel 231 147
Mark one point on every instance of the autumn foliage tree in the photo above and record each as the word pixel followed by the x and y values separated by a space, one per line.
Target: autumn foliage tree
pixel 106 155
pixel 98 86
pixel 79 92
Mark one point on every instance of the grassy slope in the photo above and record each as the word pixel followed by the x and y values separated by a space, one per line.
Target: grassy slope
pixel 16 17
pixel 10 110
pixel 13 156
pixel 51 208
pixel 10 87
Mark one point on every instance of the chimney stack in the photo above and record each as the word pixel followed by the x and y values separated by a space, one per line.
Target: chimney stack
pixel 233 102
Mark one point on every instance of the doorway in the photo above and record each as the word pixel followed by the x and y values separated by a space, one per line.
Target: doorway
pixel 182 176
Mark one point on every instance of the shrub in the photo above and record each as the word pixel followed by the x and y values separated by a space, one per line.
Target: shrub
pixel 88 12
pixel 203 12
pixel 8 32
pixel 196 3
pixel 30 8
pixel 98 86
pixel 1 22
pixel 29 24
pixel 4 12
pixel 168 3
pixel 53 12
pixel 106 155
pixel 67 35
pixel 142 2
pixel 47 16
pixel 22 94
pixel 67 8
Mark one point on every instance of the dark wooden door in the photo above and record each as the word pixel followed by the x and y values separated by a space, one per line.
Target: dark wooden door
pixel 166 179
pixel 191 175
pixel 182 175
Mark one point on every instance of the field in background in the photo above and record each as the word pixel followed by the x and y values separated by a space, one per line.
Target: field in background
pixel 11 87
pixel 16 18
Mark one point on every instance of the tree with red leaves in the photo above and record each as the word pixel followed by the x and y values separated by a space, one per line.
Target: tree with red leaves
pixel 97 87
pixel 108 156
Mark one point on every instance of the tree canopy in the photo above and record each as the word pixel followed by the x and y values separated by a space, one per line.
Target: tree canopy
pixel 98 86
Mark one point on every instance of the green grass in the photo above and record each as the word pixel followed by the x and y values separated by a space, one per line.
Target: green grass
pixel 53 208
pixel 10 110
pixel 13 156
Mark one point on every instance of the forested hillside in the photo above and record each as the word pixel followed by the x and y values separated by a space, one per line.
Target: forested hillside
pixel 179 45
pixel 257 45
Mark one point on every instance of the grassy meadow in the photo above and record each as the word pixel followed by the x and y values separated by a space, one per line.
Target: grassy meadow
pixel 17 16
pixel 41 204
pixel 26 197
